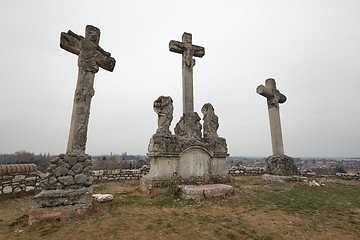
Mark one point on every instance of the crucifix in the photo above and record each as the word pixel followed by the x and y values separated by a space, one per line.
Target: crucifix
pixel 188 51
pixel 91 57
pixel 274 97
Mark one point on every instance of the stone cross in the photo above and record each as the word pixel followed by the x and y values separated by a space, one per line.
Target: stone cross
pixel 91 57
pixel 274 97
pixel 188 51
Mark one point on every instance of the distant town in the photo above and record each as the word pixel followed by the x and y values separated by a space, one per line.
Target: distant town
pixel 310 165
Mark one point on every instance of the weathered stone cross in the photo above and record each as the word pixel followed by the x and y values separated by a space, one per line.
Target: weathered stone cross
pixel 188 50
pixel 91 57
pixel 274 97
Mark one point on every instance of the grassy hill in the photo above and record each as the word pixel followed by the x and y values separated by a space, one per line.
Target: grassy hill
pixel 257 210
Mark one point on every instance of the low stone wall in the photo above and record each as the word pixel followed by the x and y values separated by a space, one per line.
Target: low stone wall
pixel 15 178
pixel 120 174
pixel 345 176
pixel 240 171
pixel 132 174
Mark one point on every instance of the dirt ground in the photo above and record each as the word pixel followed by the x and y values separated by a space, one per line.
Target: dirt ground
pixel 132 215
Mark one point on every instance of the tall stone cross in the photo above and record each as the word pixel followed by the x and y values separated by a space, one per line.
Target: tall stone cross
pixel 91 57
pixel 188 51
pixel 274 97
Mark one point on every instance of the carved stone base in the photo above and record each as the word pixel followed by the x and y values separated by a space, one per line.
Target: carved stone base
pixel 176 160
pixel 66 190
pixel 281 165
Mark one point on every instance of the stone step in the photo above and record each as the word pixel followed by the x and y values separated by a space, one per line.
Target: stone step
pixel 201 192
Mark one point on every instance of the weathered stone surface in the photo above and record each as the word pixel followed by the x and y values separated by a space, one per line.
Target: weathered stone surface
pixel 211 121
pixel 163 106
pixel 7 189
pixel 174 145
pixel 91 57
pixel 17 168
pixel 185 156
pixel 188 51
pixel 281 165
pixel 189 126
pixel 81 178
pixel 59 197
pixel 62 188
pixel 283 179
pixel 101 198
pixel 77 168
pixel 66 180
pixel 201 192
pixel 60 171
pixel 274 97
pixel 56 213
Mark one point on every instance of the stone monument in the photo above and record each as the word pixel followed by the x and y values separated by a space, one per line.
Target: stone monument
pixel 188 156
pixel 68 187
pixel 278 163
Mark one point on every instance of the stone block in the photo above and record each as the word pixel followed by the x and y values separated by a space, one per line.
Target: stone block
pixel 201 192
pixel 7 189
pixel 80 178
pixel 60 171
pixel 18 178
pixel 66 180
pixel 56 213
pixel 77 168
pixel 29 188
pixel 101 198
pixel 30 179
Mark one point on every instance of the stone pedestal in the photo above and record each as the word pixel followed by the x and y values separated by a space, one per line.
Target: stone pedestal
pixel 177 160
pixel 281 165
pixel 66 190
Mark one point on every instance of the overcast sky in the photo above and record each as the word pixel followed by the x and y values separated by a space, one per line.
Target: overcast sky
pixel 311 48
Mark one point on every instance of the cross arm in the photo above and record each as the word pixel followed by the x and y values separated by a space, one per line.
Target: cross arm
pixel 72 42
pixel 198 51
pixel 177 47
pixel 105 61
pixel 180 47
pixel 264 91
pixel 268 93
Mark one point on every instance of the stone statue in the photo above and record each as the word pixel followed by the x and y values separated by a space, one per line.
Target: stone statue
pixel 211 121
pixel 189 126
pixel 163 106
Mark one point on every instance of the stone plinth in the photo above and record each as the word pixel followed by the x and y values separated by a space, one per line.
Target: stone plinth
pixel 178 160
pixel 202 192
pixel 281 165
pixel 66 190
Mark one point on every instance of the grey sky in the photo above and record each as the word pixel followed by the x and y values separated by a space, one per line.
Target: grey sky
pixel 311 48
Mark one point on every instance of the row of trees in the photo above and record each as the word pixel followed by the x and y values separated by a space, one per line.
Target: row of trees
pixel 119 162
pixel 21 157
pixel 116 161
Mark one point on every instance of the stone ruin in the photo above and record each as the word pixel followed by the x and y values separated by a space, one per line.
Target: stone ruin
pixel 190 156
pixel 68 187
pixel 278 163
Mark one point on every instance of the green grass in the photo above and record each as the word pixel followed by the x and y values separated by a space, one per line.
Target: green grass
pixel 256 211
